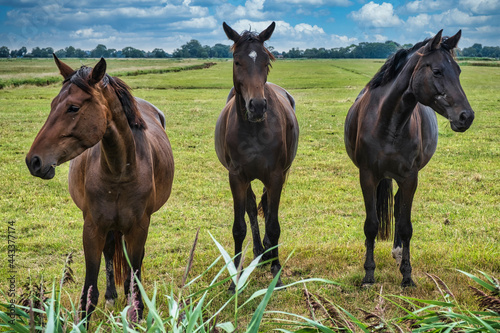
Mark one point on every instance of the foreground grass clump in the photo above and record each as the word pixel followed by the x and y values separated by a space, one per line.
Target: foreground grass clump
pixel 189 311
pixel 186 313
pixel 456 224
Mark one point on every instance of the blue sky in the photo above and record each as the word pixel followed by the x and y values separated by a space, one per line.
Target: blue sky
pixel 147 24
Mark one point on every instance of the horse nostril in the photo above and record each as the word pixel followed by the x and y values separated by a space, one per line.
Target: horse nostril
pixel 36 163
pixel 463 116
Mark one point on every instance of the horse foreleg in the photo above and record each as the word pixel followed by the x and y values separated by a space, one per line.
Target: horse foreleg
pixel 135 239
pixel 93 244
pixel 238 190
pixel 405 229
pixel 251 208
pixel 369 189
pixel 109 252
pixel 273 230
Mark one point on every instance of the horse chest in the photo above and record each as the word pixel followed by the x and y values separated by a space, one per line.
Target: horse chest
pixel 117 206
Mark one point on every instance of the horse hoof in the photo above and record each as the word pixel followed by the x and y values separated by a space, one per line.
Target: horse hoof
pixel 408 283
pixel 367 283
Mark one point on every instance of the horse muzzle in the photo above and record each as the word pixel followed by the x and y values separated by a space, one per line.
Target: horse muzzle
pixel 463 122
pixel 38 169
pixel 256 110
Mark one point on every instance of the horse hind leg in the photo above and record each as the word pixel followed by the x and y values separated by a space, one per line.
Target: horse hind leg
pixel 263 211
pixel 397 248
pixel 371 225
pixel 405 229
pixel 251 208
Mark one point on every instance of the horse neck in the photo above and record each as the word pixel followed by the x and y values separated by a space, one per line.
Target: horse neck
pixel 398 101
pixel 118 154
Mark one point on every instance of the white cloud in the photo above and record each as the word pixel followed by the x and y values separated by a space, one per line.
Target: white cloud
pixel 481 6
pixel 195 23
pixel 340 3
pixel 375 15
pixel 252 10
pixel 419 22
pixel 426 6
pixel 455 17
pixel 342 41
pixel 380 38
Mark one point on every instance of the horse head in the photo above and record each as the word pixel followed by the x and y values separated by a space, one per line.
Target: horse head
pixel 250 69
pixel 77 120
pixel 435 82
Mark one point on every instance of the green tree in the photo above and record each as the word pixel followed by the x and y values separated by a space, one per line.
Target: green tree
pixel 4 52
pixel 99 51
pixel 158 53
pixel 130 52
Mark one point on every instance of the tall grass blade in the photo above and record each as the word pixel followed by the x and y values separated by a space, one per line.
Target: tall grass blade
pixel 479 281
pixel 253 326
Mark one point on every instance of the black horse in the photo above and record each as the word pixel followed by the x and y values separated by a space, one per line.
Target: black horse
pixel 256 137
pixel 391 132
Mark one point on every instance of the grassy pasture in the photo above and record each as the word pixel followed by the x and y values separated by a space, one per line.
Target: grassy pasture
pixel 455 213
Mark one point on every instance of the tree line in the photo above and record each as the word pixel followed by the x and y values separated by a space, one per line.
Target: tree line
pixel 194 49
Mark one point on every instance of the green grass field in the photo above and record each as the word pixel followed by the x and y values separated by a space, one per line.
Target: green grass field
pixel 456 218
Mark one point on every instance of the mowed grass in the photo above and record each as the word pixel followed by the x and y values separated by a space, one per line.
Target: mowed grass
pixel 456 223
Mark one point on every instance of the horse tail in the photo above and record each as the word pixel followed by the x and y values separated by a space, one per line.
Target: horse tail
pixel 119 262
pixel 385 204
pixel 260 207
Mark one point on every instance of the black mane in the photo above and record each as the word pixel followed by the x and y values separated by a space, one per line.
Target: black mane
pixel 393 65
pixel 80 78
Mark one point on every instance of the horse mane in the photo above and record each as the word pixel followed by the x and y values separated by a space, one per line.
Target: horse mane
pixel 81 79
pixel 250 37
pixel 396 62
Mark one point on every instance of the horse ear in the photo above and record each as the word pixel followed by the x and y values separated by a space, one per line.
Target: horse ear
pixel 452 42
pixel 435 42
pixel 64 69
pixel 98 72
pixel 266 34
pixel 230 33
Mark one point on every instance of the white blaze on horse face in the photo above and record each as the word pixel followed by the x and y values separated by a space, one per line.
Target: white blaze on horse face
pixel 253 55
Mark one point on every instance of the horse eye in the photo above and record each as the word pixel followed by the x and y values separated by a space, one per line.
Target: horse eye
pixel 73 109
pixel 237 63
pixel 437 72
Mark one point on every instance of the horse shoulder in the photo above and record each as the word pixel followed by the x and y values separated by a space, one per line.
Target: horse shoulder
pixel 429 132
pixel 76 179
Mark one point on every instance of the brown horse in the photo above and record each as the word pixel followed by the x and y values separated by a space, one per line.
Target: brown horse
pixel 391 132
pixel 256 137
pixel 121 169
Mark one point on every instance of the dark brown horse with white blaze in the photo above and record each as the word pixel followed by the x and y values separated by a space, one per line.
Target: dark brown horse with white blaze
pixel 391 132
pixel 121 169
pixel 256 137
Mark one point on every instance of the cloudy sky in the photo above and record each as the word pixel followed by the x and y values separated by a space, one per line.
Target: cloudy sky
pixel 168 24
